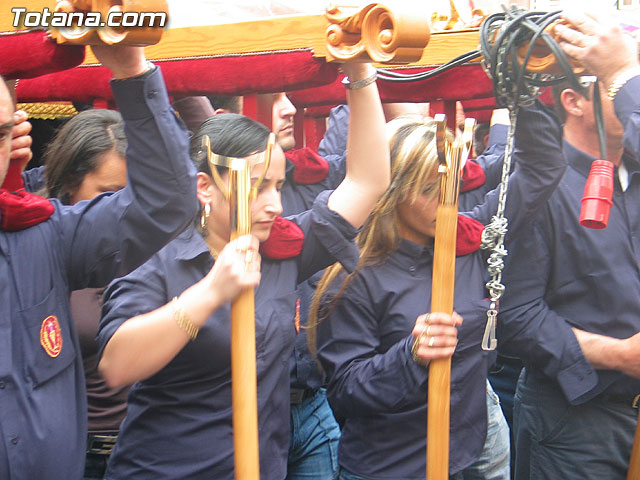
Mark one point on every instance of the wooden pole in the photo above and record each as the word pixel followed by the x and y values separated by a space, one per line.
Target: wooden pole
pixel 443 282
pixel 244 387
pixel 634 462
pixel 244 384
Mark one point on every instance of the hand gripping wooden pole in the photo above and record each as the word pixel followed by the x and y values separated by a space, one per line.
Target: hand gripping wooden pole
pixel 244 389
pixel 451 157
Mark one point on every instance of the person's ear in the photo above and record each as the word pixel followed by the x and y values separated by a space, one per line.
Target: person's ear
pixel 573 102
pixel 205 188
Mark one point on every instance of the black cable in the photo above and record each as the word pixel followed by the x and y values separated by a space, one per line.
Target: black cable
pixel 599 119
pixel 501 35
pixel 415 77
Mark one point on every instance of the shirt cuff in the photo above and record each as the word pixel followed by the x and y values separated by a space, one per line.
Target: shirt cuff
pixel 138 97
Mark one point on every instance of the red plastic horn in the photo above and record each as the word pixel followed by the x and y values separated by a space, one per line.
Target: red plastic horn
pixel 598 195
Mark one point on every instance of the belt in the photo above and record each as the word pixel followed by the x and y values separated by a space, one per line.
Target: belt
pixel 299 395
pixel 632 401
pixel 101 444
pixel 515 362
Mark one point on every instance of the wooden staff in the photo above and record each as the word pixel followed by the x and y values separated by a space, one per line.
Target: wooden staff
pixel 244 385
pixel 634 462
pixel 451 157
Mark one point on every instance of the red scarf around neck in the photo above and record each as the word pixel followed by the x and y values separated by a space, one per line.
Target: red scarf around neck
pixel 20 209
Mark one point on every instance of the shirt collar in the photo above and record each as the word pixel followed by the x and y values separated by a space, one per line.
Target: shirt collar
pixel 578 159
pixel 582 161
pixel 413 251
pixel 190 245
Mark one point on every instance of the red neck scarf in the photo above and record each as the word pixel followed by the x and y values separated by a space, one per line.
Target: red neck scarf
pixel 20 209
pixel 473 176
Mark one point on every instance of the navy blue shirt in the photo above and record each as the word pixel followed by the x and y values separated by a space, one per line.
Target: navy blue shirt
pixel 296 198
pixel 43 411
pixel 365 343
pixel 563 275
pixel 34 179
pixel 335 140
pixel 179 421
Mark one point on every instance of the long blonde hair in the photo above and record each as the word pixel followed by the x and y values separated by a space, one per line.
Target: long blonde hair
pixel 414 164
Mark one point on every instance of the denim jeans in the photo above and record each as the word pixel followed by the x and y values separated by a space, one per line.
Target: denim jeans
pixel 557 440
pixel 493 463
pixel 503 377
pixel 313 447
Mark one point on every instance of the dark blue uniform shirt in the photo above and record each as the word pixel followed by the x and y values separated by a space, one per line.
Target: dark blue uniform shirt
pixel 43 411
pixel 179 421
pixel 365 343
pixel 563 275
pixel 297 198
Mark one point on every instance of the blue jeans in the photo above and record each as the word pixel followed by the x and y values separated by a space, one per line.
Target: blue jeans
pixel 313 448
pixel 493 463
pixel 557 440
pixel 504 376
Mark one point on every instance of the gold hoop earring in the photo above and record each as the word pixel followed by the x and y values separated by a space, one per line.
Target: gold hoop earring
pixel 206 211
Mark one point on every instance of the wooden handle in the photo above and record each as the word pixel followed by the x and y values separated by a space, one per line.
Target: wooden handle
pixel 439 396
pixel 244 389
pixel 451 158
pixel 634 462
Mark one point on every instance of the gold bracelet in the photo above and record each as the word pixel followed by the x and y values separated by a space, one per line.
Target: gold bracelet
pixel 183 322
pixel 620 80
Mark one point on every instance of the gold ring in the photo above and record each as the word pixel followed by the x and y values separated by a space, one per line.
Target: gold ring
pixel 248 256
pixel 432 341
pixel 428 330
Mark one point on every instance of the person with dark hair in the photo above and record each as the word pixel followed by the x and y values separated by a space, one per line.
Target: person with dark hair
pixel 166 325
pixel 48 249
pixel 374 339
pixel 481 138
pixel 572 303
pixel 85 159
pixel 226 103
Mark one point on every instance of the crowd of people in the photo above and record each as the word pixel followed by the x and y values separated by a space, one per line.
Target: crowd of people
pixel 118 268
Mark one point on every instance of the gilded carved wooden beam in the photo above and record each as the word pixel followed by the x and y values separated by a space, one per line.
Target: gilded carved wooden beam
pixel 377 33
pixel 126 22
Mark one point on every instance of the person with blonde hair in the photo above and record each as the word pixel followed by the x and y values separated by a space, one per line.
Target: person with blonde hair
pixel 375 334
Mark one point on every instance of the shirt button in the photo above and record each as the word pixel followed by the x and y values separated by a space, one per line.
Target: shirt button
pixel 412 268
pixel 2 385
pixel 152 93
pixel 15 440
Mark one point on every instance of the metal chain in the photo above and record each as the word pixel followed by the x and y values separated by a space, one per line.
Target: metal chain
pixel 514 87
pixel 493 238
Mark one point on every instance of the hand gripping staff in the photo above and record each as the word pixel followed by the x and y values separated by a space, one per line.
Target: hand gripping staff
pixel 452 157
pixel 244 387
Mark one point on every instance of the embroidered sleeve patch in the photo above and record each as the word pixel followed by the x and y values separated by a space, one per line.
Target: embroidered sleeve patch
pixel 51 336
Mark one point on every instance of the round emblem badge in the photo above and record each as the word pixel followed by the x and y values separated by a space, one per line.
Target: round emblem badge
pixel 51 336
